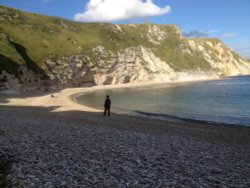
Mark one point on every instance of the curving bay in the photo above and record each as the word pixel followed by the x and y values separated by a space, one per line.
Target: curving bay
pixel 225 101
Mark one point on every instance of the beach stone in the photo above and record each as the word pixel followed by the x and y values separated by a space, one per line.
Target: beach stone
pixel 81 149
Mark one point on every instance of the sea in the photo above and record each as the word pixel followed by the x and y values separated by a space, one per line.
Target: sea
pixel 223 101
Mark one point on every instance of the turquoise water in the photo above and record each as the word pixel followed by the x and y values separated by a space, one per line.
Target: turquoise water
pixel 224 101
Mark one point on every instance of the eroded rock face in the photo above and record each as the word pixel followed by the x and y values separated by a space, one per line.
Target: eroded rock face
pixel 138 64
pixel 70 72
pixel 222 60
pixel 9 81
pixel 25 80
pixel 156 35
pixel 133 64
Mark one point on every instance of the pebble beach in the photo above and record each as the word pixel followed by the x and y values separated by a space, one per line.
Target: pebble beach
pixel 54 142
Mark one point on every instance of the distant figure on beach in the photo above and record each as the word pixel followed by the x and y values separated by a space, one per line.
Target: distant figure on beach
pixel 53 96
pixel 107 106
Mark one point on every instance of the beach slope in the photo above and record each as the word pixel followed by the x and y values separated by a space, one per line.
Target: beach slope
pixel 54 142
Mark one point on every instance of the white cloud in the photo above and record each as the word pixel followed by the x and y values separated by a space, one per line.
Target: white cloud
pixel 228 35
pixel 113 10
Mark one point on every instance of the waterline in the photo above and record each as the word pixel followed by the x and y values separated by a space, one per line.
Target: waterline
pixel 225 101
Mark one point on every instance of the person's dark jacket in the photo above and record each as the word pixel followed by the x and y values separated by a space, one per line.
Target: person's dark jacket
pixel 107 103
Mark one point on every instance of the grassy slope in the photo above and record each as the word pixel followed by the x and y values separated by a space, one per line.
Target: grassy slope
pixel 44 37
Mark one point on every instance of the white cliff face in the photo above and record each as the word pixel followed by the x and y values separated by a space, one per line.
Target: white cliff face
pixel 133 64
pixel 140 64
pixel 156 35
pixel 221 59
pixel 137 64
pixel 70 72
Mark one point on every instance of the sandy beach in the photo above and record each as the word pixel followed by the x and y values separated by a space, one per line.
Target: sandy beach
pixel 54 142
pixel 63 100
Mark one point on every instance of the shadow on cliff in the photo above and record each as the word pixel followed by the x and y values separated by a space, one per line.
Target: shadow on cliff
pixel 31 65
pixel 12 67
pixel 8 65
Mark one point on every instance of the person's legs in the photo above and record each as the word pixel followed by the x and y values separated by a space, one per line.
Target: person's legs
pixel 105 109
pixel 108 111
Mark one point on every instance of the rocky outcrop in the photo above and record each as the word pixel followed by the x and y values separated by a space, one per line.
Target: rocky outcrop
pixel 222 60
pixel 133 64
pixel 9 81
pixel 24 80
pixel 137 64
pixel 156 35
pixel 70 72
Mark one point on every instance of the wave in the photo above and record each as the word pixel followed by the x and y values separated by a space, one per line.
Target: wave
pixel 181 119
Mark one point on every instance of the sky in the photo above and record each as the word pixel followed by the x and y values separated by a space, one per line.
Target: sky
pixel 228 20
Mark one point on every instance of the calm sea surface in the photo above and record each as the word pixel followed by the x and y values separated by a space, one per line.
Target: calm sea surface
pixel 224 101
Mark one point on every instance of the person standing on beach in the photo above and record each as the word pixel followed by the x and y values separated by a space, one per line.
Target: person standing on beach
pixel 107 106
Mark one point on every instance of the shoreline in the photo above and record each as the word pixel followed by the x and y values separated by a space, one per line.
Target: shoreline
pixel 64 100
pixel 159 116
pixel 26 99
